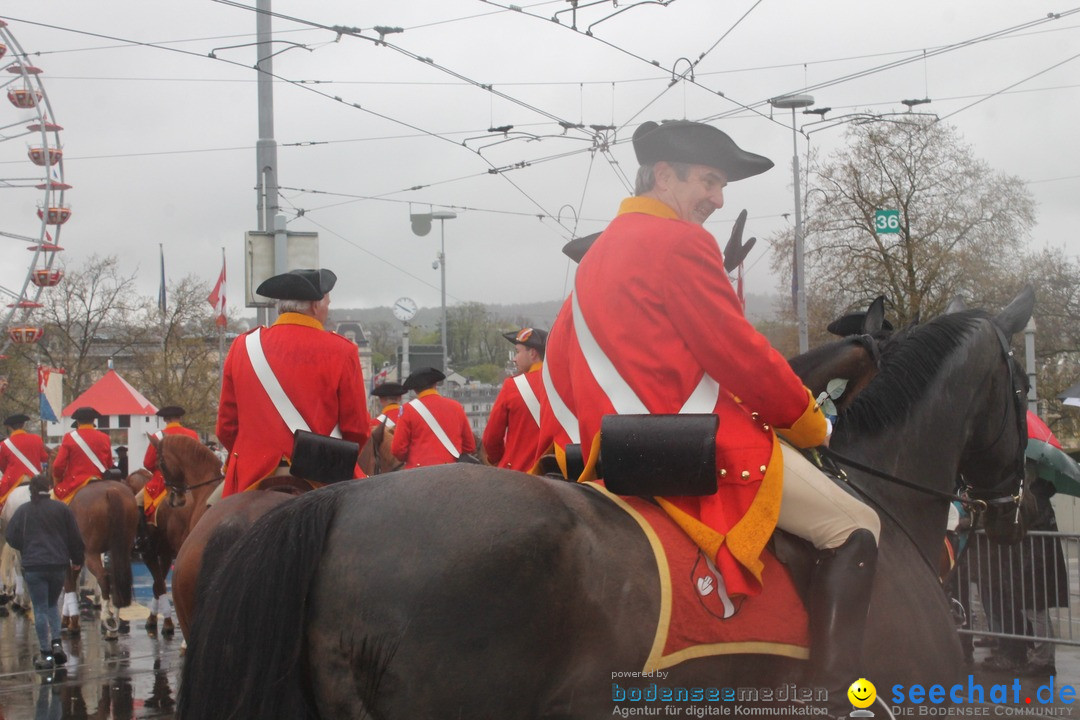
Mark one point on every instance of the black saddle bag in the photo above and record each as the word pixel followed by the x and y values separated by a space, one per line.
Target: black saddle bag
pixel 659 454
pixel 323 458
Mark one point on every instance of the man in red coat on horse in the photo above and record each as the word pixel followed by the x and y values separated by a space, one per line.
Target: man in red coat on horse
pixel 513 429
pixel 22 455
pixel 85 454
pixel 154 490
pixel 432 429
pixel 293 375
pixel 653 326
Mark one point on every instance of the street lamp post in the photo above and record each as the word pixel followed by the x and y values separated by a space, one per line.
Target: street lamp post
pixel 793 102
pixel 442 216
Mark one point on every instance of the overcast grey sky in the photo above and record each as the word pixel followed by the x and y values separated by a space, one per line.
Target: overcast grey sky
pixel 159 138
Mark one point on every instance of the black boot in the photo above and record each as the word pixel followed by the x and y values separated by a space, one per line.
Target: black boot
pixel 45 662
pixel 58 655
pixel 142 537
pixel 839 598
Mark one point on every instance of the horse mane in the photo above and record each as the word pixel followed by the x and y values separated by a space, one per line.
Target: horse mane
pixel 911 360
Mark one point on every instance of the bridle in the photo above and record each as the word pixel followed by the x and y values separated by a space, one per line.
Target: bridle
pixel 978 500
pixel 180 489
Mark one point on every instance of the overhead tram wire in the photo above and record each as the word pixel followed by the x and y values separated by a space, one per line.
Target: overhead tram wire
pixel 1010 87
pixel 753 109
pixel 495 170
pixel 922 56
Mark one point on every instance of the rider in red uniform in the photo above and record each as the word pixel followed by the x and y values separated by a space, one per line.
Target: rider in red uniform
pixel 653 326
pixel 154 490
pixel 85 454
pixel 431 425
pixel 389 395
pixel 22 456
pixel 314 375
pixel 513 429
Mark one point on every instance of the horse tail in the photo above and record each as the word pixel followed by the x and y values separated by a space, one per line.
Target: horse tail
pixel 120 541
pixel 244 659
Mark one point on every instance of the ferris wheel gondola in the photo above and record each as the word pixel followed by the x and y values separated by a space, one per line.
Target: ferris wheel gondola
pixel 28 118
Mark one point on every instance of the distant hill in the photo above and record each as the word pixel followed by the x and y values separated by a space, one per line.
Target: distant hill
pixel 537 314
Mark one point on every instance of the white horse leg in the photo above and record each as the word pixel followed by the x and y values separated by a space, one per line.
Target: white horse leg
pixel 71 604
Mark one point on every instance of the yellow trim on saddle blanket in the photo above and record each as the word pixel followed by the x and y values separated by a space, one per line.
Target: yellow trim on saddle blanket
pixel 656 659
pixel 151 504
pixel 74 491
pixel 747 539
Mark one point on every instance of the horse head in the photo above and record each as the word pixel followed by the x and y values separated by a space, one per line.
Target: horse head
pixel 383 460
pixel 993 464
pixel 843 368
pixel 186 464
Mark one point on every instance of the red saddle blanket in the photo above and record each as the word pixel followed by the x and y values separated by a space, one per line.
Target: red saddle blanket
pixel 697 618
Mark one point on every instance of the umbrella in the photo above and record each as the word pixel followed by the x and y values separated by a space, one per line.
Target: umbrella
pixel 1038 430
pixel 1054 465
pixel 1071 395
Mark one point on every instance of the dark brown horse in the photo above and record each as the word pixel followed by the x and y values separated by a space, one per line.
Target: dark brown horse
pixel 228 518
pixel 108 518
pixel 468 591
pixel 180 456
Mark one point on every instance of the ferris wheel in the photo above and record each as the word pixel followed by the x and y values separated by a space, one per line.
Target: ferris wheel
pixel 31 173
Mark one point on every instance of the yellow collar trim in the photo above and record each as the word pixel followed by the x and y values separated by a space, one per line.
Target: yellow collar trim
pixel 294 318
pixel 390 408
pixel 535 366
pixel 430 391
pixel 647 206
pixel 20 431
pixel 86 426
pixel 174 423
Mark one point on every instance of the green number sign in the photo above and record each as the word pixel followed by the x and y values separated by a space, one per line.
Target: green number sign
pixel 887 221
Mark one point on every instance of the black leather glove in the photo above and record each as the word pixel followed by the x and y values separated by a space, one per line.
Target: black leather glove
pixel 736 251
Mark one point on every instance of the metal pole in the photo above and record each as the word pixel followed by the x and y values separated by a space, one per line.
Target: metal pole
pixel 405 367
pixel 281 246
pixel 266 182
pixel 1029 361
pixel 800 259
pixel 442 266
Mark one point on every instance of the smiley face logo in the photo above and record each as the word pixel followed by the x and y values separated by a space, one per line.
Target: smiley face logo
pixel 862 693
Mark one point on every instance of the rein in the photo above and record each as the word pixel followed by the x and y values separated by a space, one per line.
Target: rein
pixel 180 489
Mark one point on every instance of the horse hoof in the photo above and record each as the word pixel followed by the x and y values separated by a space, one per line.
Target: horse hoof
pixel 124 627
pixel 151 623
pixel 167 628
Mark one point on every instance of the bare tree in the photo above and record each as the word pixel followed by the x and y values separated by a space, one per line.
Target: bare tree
pixel 962 229
pixel 176 361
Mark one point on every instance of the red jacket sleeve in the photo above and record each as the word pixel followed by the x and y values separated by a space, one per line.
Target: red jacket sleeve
pixel 150 459
pixel 354 421
pixel 494 439
pixel 227 419
pixel 61 462
pixel 403 433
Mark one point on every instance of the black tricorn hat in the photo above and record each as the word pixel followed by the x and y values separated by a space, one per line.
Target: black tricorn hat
pixel 696 143
pixel 389 389
pixel 576 248
pixel 422 378
pixel 171 411
pixel 852 324
pixel 298 285
pixel 529 337
pixel 85 414
pixel 16 421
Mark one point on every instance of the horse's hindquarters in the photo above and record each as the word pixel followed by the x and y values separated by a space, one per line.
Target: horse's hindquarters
pixel 501 594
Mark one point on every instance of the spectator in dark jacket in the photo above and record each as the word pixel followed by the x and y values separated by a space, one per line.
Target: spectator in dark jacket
pixel 44 531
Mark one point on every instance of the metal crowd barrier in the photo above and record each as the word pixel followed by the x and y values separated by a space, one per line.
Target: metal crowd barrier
pixel 1025 592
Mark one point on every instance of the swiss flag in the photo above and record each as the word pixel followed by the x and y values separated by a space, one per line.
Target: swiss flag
pixel 217 296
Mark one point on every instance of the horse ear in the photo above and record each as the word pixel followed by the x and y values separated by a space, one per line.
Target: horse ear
pixel 875 316
pixel 955 305
pixel 1015 317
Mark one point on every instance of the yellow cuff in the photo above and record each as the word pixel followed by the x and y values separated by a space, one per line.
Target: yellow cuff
pixel 810 429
